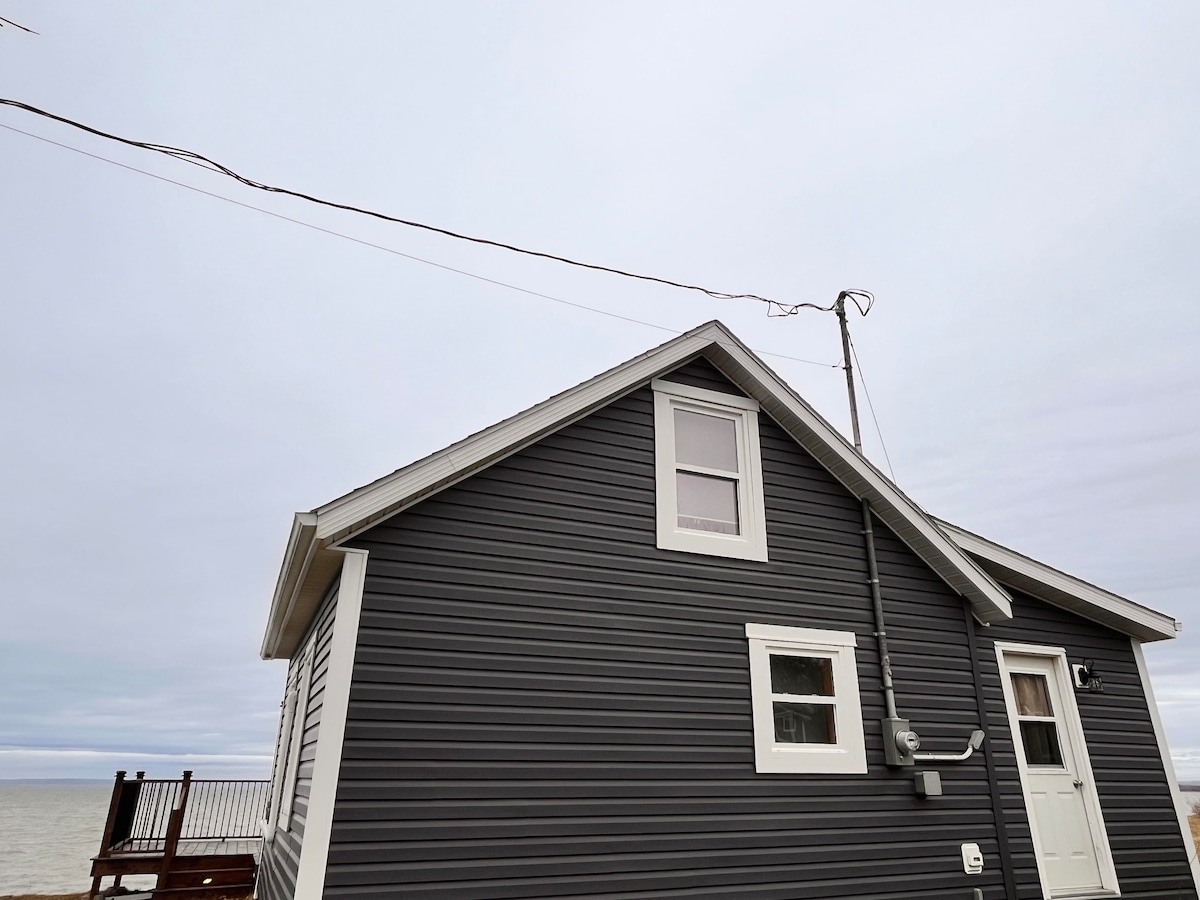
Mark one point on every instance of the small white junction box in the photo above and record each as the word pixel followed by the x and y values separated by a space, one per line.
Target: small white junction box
pixel 972 859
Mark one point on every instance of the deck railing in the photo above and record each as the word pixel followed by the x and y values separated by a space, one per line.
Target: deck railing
pixel 151 821
pixel 148 813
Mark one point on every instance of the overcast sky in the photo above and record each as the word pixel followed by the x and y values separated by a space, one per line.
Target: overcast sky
pixel 1016 182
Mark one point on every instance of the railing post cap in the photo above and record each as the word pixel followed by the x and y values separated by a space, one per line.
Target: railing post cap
pixel 120 774
pixel 187 774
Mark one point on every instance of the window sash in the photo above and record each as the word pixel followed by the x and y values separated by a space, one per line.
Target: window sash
pixel 827 700
pixel 734 476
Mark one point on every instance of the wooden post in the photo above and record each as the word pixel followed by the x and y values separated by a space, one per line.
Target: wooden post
pixel 121 823
pixel 106 839
pixel 174 828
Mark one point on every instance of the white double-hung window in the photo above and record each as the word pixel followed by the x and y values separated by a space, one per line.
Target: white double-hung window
pixel 708 472
pixel 804 690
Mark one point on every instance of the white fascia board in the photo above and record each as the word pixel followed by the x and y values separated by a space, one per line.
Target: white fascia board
pixel 989 601
pixel 358 510
pixel 1066 591
pixel 296 558
pixel 372 502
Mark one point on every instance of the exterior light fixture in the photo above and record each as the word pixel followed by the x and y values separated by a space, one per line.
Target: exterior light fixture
pixel 1086 677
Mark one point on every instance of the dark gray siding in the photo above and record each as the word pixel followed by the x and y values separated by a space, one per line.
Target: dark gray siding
pixel 546 705
pixel 281 857
pixel 1134 794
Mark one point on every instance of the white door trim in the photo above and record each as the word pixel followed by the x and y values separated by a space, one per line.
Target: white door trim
pixel 1073 724
pixel 1160 736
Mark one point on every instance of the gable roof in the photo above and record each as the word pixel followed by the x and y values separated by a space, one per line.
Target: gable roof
pixel 311 559
pixel 1047 583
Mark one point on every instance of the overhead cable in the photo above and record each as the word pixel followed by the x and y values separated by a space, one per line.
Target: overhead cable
pixel 774 307
pixel 409 256
pixel 4 21
pixel 871 407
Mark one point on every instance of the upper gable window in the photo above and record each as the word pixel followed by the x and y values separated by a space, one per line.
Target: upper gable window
pixel 708 472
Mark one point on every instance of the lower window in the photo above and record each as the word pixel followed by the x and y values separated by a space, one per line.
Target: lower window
pixel 804 689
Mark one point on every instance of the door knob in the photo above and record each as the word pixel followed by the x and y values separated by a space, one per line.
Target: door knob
pixel 1078 783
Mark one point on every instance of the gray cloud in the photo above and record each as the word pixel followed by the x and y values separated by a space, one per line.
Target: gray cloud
pixel 1016 182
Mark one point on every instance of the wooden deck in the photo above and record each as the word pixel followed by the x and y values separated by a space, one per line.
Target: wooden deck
pixel 201 838
pixel 242 847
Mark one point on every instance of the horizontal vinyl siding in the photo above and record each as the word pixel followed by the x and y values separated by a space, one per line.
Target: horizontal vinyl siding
pixel 1134 794
pixel 281 857
pixel 546 705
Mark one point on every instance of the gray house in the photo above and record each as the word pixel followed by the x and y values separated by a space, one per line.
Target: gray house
pixel 627 644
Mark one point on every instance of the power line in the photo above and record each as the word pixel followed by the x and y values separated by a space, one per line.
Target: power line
pixel 871 407
pixel 774 307
pixel 409 256
pixel 4 21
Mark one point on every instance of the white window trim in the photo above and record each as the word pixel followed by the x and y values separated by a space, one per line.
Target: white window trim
pixel 752 542
pixel 296 741
pixel 1072 722
pixel 848 756
pixel 283 742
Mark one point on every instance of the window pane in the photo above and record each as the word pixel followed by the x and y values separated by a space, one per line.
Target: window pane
pixel 1041 744
pixel 707 503
pixel 801 675
pixel 1033 698
pixel 708 441
pixel 804 723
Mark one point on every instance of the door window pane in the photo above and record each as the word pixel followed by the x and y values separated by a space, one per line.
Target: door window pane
pixel 801 675
pixel 1033 697
pixel 708 441
pixel 707 503
pixel 1041 744
pixel 804 723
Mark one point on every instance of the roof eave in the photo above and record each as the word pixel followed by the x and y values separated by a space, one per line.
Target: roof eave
pixel 361 508
pixel 989 601
pixel 1060 589
pixel 296 558
pixel 315 535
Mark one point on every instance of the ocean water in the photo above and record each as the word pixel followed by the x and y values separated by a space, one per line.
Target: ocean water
pixel 48 836
pixel 1190 800
pixel 50 832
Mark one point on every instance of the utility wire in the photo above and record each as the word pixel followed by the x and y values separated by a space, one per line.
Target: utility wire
pixel 375 246
pixel 774 307
pixel 871 406
pixel 4 21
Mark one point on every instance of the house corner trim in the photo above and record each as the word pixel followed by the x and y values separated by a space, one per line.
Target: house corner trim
pixel 318 827
pixel 1160 736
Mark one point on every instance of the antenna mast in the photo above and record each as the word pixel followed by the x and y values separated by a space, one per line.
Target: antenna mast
pixel 840 308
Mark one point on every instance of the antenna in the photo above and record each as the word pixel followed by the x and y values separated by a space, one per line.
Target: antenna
pixel 839 307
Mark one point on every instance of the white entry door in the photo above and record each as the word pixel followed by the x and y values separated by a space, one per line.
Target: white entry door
pixel 1074 859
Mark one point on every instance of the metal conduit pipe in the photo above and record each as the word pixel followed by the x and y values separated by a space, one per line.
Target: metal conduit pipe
pixel 899 741
pixel 885 661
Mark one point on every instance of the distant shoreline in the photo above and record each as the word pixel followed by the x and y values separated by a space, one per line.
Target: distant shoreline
pixel 63 781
